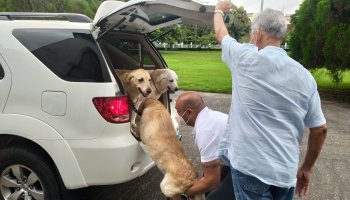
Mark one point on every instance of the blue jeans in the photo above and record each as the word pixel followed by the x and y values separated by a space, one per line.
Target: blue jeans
pixel 250 188
pixel 225 190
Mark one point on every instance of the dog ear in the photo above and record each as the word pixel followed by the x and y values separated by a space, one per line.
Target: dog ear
pixel 129 77
pixel 158 75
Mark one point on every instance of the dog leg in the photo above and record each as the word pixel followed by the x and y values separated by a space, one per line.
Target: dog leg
pixel 169 188
pixel 133 126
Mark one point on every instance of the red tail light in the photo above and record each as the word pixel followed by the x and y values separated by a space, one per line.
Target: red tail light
pixel 113 109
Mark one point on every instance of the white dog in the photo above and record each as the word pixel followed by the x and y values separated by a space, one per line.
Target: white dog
pixel 163 80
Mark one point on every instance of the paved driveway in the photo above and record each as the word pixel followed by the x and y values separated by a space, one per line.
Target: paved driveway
pixel 331 178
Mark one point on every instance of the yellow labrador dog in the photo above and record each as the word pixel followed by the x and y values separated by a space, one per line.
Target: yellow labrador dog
pixel 158 133
pixel 137 85
pixel 163 80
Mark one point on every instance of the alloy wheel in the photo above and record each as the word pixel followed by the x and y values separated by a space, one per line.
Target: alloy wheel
pixel 21 183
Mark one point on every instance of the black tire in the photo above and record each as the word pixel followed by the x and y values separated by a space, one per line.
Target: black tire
pixel 27 172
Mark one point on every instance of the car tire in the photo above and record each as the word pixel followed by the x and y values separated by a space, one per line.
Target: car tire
pixel 27 174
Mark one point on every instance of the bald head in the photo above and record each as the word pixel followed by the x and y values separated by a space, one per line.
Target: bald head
pixel 190 100
pixel 188 105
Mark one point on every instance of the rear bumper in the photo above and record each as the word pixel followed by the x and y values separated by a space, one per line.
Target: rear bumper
pixel 113 158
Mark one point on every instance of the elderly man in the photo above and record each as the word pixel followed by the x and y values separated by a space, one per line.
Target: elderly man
pixel 208 125
pixel 275 98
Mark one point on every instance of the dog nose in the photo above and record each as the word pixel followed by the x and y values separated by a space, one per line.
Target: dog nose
pixel 176 89
pixel 149 91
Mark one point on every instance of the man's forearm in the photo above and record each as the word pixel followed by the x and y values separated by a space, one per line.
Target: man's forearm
pixel 219 27
pixel 315 143
pixel 210 179
pixel 203 185
pixel 222 6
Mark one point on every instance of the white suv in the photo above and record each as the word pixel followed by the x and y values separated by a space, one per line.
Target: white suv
pixel 63 113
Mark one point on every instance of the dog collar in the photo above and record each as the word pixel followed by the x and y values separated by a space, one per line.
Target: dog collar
pixel 134 109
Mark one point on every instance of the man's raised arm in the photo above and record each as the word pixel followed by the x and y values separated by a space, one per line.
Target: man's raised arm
pixel 222 7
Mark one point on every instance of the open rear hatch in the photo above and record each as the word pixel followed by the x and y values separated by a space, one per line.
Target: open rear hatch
pixel 144 16
pixel 131 20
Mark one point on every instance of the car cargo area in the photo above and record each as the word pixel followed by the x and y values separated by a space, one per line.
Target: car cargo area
pixel 127 51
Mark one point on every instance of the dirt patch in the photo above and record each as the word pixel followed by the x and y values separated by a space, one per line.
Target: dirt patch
pixel 342 96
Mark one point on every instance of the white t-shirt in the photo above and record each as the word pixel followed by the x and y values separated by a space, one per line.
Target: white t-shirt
pixel 209 126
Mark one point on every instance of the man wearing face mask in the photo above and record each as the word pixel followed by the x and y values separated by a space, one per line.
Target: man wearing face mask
pixel 207 125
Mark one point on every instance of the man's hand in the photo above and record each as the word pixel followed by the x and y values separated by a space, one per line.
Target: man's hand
pixel 209 181
pixel 219 25
pixel 303 182
pixel 224 5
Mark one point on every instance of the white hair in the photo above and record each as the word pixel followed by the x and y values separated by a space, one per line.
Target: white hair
pixel 271 22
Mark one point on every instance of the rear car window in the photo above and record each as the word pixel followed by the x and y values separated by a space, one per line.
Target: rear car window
pixel 129 54
pixel 154 17
pixel 2 73
pixel 72 55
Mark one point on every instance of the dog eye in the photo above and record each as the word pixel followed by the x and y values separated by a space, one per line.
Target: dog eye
pixel 171 81
pixel 141 80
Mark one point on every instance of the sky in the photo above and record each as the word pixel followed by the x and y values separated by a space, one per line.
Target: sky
pixel 253 6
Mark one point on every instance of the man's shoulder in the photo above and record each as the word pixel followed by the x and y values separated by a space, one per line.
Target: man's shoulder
pixel 303 72
pixel 231 42
pixel 218 115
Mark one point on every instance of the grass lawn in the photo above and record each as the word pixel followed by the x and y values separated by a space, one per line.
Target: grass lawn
pixel 324 81
pixel 204 71
pixel 199 70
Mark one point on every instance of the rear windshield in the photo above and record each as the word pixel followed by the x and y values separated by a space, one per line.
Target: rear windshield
pixel 128 53
pixel 73 55
pixel 153 17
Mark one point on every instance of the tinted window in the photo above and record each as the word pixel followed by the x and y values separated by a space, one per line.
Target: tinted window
pixel 154 17
pixel 132 50
pixel 73 55
pixel 2 73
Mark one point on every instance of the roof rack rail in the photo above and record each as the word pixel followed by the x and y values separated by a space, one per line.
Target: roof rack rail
pixel 71 17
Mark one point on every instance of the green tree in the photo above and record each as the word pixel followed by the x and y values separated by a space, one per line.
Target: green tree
pixel 198 35
pixel 337 53
pixel 186 34
pixel 239 24
pixel 300 38
pixel 173 36
pixel 321 35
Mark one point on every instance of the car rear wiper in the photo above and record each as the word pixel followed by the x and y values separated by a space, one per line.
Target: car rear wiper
pixel 162 35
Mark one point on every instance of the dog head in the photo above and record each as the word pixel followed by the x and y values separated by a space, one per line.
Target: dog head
pixel 165 79
pixel 138 82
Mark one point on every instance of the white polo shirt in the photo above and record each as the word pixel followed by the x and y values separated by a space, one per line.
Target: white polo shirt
pixel 209 126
